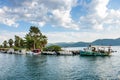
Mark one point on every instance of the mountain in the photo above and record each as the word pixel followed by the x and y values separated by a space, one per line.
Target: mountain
pixel 104 42
pixel 107 42
pixel 75 44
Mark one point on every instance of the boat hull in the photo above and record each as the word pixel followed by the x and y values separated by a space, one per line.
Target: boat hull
pixel 85 53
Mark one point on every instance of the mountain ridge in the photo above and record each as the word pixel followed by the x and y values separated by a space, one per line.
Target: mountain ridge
pixel 103 42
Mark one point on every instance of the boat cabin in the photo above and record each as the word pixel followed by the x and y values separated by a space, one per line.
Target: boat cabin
pixel 102 49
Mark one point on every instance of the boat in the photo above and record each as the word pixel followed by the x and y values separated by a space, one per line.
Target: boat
pixel 48 52
pixel 36 51
pixel 96 51
pixel 10 51
pixel 65 52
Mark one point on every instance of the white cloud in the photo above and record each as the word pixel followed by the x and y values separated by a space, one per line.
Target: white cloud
pixel 80 36
pixel 99 17
pixel 105 22
pixel 63 18
pixel 57 13
pixel 6 35
pixel 53 37
pixel 99 7
pixel 37 11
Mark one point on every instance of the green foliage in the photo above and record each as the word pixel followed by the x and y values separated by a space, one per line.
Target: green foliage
pixel 10 41
pixel 52 48
pixel 34 31
pixel 1 46
pixel 22 43
pixel 29 42
pixel 19 42
pixel 35 39
pixel 16 48
pixel 5 44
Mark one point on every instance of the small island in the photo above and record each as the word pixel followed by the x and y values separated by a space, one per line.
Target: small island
pixel 34 43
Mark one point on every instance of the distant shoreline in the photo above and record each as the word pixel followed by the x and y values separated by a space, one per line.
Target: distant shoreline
pixel 102 42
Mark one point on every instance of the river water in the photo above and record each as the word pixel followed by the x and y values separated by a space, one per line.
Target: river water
pixel 52 67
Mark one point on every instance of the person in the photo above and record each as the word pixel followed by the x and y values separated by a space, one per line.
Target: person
pixel 109 50
pixel 93 49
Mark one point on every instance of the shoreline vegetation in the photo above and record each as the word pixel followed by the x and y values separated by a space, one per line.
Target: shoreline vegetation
pixel 32 40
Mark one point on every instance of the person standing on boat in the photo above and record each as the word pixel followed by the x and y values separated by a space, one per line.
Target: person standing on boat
pixel 90 48
pixel 109 49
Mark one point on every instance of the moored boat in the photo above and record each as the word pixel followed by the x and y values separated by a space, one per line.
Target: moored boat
pixel 96 51
pixel 10 51
pixel 36 51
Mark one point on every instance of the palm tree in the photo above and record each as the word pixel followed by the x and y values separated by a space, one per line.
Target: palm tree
pixel 10 41
pixel 5 44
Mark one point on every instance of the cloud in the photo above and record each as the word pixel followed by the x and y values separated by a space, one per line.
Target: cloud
pixel 99 17
pixel 6 35
pixel 54 37
pixel 39 12
pixel 99 7
pixel 58 13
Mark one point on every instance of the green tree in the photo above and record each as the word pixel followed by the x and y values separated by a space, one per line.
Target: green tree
pixel 5 44
pixel 35 39
pixel 10 41
pixel 35 36
pixel 22 42
pixel 53 48
pixel 17 41
pixel 43 41
pixel 1 46
pixel 29 41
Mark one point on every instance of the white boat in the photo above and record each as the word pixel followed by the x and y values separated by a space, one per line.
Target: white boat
pixel 10 51
pixel 34 52
pixel 65 52
pixel 49 52
pixel 23 51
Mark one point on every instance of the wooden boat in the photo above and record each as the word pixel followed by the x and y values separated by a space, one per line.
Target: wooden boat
pixel 96 51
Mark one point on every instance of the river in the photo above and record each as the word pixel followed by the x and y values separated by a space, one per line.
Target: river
pixel 52 67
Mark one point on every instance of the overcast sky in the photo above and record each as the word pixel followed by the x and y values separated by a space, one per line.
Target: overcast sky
pixel 61 20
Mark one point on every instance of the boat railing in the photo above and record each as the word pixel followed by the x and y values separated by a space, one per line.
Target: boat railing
pixel 98 49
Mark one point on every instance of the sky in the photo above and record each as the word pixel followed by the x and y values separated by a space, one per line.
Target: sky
pixel 61 20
